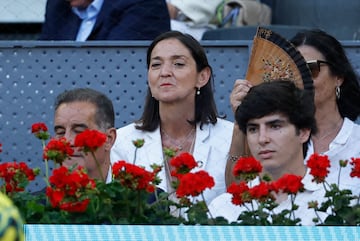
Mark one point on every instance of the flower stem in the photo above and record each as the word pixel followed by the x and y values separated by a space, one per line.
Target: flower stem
pixel 46 172
pixel 135 155
pixel 98 166
pixel 46 165
pixel 318 216
pixel 292 212
pixel 339 177
pixel 212 220
pixel 139 201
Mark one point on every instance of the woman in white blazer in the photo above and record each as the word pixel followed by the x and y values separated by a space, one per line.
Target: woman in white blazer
pixel 179 113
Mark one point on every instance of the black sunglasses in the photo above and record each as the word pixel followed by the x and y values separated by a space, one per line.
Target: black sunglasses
pixel 314 66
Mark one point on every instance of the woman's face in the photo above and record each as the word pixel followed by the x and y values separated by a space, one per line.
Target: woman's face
pixel 172 73
pixel 325 82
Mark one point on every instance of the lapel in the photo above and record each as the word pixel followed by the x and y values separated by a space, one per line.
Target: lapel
pixel 202 146
pixel 152 153
pixel 104 12
pixel 69 26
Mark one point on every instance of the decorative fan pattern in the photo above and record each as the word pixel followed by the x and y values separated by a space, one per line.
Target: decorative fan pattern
pixel 273 57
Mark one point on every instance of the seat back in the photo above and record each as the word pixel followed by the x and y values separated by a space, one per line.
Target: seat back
pixel 248 32
pixel 337 17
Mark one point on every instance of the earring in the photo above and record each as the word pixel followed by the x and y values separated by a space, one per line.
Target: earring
pixel 198 91
pixel 337 92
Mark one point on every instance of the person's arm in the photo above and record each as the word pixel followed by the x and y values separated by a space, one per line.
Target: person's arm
pixel 200 12
pixel 238 143
pixel 236 150
pixel 173 11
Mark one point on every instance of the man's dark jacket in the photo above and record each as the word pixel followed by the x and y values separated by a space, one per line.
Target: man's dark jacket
pixel 117 20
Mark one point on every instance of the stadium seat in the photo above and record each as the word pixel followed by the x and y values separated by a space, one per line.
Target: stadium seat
pixel 248 32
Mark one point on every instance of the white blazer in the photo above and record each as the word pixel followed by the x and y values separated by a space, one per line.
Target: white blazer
pixel 211 148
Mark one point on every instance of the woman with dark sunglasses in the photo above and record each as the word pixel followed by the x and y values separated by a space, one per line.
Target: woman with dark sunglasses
pixel 337 101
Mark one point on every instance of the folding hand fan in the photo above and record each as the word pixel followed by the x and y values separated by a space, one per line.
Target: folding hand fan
pixel 273 57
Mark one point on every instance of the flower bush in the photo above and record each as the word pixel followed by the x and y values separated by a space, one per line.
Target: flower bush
pixel 71 196
pixel 341 206
pixel 132 197
pixel 259 199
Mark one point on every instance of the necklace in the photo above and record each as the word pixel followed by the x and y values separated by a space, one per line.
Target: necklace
pixel 332 131
pixel 179 144
pixel 321 144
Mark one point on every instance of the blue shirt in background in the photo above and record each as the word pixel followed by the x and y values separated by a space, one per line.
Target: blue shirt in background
pixel 88 17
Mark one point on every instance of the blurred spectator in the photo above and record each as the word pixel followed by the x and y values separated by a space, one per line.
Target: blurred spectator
pixel 192 17
pixel 196 17
pixel 82 20
pixel 11 224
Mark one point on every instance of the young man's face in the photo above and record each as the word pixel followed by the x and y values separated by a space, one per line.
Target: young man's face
pixel 72 119
pixel 276 143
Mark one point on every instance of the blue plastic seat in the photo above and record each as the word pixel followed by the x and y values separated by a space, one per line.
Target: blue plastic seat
pixel 248 32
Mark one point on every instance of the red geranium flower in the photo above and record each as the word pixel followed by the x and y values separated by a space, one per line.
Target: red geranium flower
pixel 289 183
pixel 90 140
pixel 57 150
pixel 193 184
pixel 355 171
pixel 16 176
pixel 183 163
pixel 40 130
pixel 240 193
pixel 262 191
pixel 134 177
pixel 247 168
pixel 78 207
pixel 68 189
pixel 318 165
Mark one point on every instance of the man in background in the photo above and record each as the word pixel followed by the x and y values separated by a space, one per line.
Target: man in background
pixel 83 20
pixel 277 119
pixel 78 110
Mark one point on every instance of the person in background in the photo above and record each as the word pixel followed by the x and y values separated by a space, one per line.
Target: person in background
pixel 11 223
pixel 81 109
pixel 337 98
pixel 192 17
pixel 83 20
pixel 179 113
pixel 277 119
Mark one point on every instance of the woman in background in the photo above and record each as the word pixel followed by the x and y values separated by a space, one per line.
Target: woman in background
pixel 337 98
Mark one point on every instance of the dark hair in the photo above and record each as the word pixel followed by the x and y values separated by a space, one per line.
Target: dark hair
pixel 104 116
pixel 334 53
pixel 279 96
pixel 205 108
